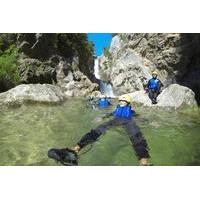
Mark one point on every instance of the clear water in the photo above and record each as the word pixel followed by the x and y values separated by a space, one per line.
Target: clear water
pixel 26 134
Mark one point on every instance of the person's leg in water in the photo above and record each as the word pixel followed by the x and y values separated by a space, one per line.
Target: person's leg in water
pixel 139 143
pixel 66 154
pixel 94 134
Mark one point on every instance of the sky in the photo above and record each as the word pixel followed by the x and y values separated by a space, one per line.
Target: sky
pixel 100 40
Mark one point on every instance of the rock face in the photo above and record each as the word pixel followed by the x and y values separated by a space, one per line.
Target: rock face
pixel 77 84
pixel 73 48
pixel 172 96
pixel 132 57
pixel 74 84
pixel 128 73
pixel 32 70
pixel 115 45
pixel 45 93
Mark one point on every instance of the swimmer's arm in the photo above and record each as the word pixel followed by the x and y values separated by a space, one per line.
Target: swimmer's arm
pixel 134 113
pixel 108 115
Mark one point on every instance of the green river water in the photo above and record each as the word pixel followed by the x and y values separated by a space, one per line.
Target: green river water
pixel 27 132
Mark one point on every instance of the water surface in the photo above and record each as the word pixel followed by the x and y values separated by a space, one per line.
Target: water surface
pixel 27 132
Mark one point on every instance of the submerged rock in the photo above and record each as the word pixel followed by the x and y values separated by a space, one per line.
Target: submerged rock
pixel 173 96
pixel 43 93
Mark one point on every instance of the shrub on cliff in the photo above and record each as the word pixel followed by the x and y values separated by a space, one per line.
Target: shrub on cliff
pixel 6 39
pixel 8 68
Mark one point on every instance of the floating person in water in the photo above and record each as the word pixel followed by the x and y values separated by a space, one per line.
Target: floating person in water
pixel 154 87
pixel 122 117
pixel 102 102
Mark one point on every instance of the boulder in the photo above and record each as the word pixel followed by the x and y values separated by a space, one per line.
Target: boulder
pixel 140 97
pixel 173 96
pixel 43 93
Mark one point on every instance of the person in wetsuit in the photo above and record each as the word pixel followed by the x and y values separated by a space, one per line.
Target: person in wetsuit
pixel 154 87
pixel 122 116
pixel 102 102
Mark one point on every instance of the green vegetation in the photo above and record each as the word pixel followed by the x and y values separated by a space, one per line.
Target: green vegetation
pixel 108 62
pixel 107 53
pixel 6 40
pixel 8 65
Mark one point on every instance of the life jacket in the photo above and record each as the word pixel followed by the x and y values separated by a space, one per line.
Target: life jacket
pixel 123 112
pixel 153 84
pixel 103 103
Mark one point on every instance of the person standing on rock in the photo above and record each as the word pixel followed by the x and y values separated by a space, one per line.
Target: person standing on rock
pixel 122 117
pixel 154 87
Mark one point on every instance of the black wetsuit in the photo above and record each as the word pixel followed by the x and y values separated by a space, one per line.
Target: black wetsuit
pixel 154 87
pixel 137 140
